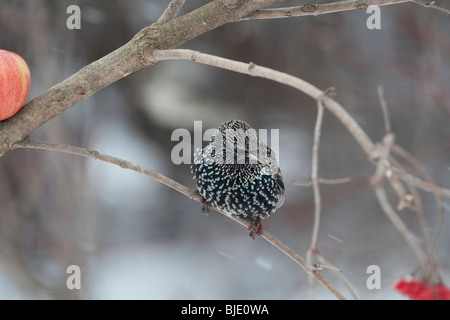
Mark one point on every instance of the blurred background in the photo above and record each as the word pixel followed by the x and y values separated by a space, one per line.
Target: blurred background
pixel 134 238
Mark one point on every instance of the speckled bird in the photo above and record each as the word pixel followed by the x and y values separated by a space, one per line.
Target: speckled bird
pixel 239 174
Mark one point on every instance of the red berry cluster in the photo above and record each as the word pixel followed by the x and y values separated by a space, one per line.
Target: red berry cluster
pixel 419 290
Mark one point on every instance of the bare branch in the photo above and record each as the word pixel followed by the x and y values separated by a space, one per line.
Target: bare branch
pixel 322 181
pixel 306 183
pixel 397 222
pixel 92 154
pixel 135 55
pixel 271 239
pixel 410 199
pixel 316 190
pixel 415 204
pixel 379 156
pixel 431 187
pixel 318 9
pixel 315 175
pixel 335 181
pixel 309 268
pixel 190 193
pixel 148 46
pixel 338 273
pixel 313 250
pixel 171 11
pixel 420 168
pixel 384 108
pixel 257 71
pixel 125 60
pixel 431 4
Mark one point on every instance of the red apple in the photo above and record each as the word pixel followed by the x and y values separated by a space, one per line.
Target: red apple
pixel 14 83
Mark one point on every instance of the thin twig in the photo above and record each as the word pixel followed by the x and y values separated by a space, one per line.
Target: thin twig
pixel 383 159
pixel 316 190
pixel 338 273
pixel 335 181
pixel 380 155
pixel 303 183
pixel 315 180
pixel 414 201
pixel 322 181
pixel 430 4
pixel 397 222
pixel 384 108
pixel 406 199
pixel 315 175
pixel 190 193
pixel 110 159
pixel 171 11
pixel 308 268
pixel 299 260
pixel 430 187
pixel 420 168
pixel 317 9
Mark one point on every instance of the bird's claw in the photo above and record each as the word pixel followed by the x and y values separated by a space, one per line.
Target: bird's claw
pixel 256 228
pixel 206 206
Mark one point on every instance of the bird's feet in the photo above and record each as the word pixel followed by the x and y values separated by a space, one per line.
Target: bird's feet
pixel 206 206
pixel 256 228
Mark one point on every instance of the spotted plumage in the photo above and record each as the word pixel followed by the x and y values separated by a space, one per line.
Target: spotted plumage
pixel 239 174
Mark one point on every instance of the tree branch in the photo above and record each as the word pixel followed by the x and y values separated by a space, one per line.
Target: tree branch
pixel 258 71
pixel 134 55
pixel 190 193
pixel 430 4
pixel 118 64
pixel 379 154
pixel 171 11
pixel 149 46
pixel 318 9
pixel 430 187
pixel 385 109
pixel 397 222
pixel 313 250
pixel 315 178
pixel 436 191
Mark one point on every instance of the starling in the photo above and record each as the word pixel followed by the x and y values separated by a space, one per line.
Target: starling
pixel 238 174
